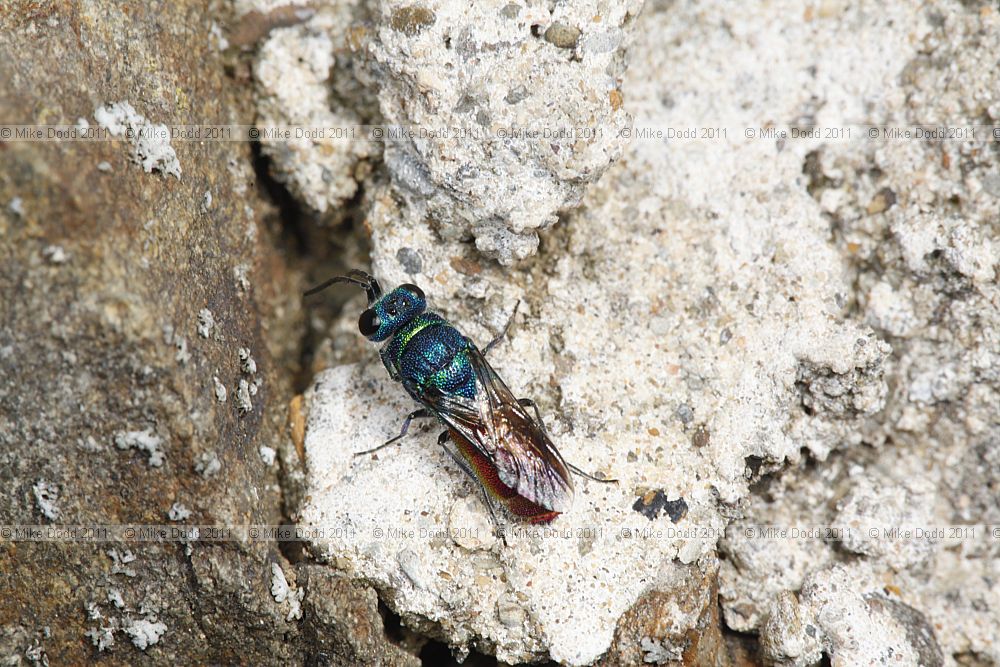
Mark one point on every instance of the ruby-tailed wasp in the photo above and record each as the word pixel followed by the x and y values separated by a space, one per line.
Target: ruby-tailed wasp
pixel 492 436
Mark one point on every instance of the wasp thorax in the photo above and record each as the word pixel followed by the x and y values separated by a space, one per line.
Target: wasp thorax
pixel 392 311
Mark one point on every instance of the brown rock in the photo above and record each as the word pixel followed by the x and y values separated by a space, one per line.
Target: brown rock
pixel 107 399
pixel 411 20
pixel 646 633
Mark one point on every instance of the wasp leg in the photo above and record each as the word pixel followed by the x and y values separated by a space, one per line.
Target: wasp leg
pixel 581 473
pixel 442 439
pixel 503 332
pixel 416 414
pixel 528 403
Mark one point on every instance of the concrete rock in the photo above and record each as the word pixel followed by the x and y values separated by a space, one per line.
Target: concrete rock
pixel 844 612
pixel 924 261
pixel 674 332
pixel 516 124
pixel 479 148
pixel 696 325
pixel 302 75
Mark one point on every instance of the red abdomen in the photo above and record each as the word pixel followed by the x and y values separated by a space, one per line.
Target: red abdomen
pixel 486 473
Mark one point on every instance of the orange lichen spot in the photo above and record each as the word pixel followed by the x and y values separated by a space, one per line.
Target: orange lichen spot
pixel 615 97
pixel 297 425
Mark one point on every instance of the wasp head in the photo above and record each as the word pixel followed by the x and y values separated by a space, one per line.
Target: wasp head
pixel 385 314
pixel 385 317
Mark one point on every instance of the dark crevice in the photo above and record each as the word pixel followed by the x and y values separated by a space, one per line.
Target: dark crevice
pixel 743 647
pixel 307 247
pixel 294 551
pixel 292 238
pixel 290 212
pixel 315 246
pixel 323 308
pixel 392 624
pixel 432 651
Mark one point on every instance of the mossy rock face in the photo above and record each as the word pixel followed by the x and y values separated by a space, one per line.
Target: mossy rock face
pixel 108 407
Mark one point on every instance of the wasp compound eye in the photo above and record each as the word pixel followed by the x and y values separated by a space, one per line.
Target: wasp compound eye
pixel 414 290
pixel 369 323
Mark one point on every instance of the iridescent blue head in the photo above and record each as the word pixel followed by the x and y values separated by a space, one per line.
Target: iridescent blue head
pixel 391 312
pixel 386 314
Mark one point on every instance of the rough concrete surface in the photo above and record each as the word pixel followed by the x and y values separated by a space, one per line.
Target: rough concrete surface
pixel 744 328
pixel 699 321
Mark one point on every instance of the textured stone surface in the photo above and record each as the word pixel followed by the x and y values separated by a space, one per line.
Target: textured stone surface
pixel 518 107
pixel 702 320
pixel 304 79
pixel 917 220
pixel 743 331
pixel 484 73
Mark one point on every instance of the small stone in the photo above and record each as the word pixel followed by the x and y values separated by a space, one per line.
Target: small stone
pixel 562 35
pixel 881 202
pixel 468 267
pixel 615 99
pixel 510 11
pixel 466 104
pixel 676 509
pixel 410 260
pixel 516 94
pixel 412 20
pixel 469 527
pixel 409 563
pixel 510 612
pixel 701 437
pixel 650 504
pixel 685 414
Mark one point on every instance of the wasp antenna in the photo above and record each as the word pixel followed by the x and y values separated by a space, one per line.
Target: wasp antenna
pixel 372 288
pixel 331 281
pixel 354 277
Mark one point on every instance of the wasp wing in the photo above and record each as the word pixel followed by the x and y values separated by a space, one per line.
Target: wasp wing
pixel 499 427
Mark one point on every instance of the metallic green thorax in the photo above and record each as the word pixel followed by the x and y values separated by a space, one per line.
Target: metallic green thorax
pixel 428 352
